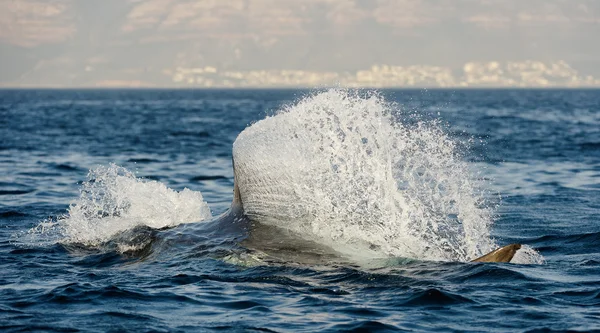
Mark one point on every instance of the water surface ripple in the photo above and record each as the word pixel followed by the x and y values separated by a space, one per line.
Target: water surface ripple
pixel 539 150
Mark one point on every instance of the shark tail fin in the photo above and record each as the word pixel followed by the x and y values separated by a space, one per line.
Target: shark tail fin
pixel 503 254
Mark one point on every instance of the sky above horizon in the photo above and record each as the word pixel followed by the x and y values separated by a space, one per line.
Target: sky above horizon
pixel 165 43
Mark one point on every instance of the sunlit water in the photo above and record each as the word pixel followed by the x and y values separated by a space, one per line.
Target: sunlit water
pixel 109 202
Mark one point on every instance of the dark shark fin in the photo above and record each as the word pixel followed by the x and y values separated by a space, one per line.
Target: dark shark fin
pixel 503 254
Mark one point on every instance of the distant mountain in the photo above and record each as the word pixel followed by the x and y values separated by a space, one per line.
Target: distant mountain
pixel 170 43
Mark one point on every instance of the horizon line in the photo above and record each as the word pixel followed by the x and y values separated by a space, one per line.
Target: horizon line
pixel 43 87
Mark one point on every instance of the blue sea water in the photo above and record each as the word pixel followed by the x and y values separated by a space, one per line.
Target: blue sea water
pixel 537 152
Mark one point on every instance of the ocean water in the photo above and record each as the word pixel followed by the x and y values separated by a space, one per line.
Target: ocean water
pixel 364 209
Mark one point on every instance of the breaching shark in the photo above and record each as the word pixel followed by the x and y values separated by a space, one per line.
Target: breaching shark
pixel 281 245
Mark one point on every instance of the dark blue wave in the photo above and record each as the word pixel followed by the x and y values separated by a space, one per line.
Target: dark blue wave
pixel 184 278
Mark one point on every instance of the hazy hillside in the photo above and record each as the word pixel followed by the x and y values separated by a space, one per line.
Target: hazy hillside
pixel 299 43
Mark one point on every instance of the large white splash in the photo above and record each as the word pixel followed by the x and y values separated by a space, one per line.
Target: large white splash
pixel 337 168
pixel 113 200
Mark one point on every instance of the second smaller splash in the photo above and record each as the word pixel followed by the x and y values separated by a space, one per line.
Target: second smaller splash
pixel 113 200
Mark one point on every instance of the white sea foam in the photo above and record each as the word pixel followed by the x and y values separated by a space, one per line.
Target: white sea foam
pixel 113 200
pixel 338 169
pixel 527 255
